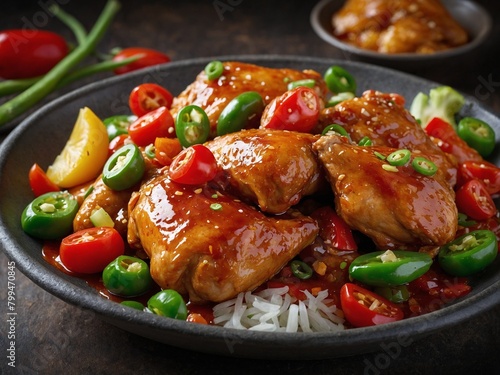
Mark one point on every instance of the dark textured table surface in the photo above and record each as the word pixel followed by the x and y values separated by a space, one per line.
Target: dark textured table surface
pixel 53 337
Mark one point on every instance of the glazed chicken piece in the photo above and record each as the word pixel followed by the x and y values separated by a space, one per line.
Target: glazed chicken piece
pixel 209 245
pixel 398 26
pixel 396 209
pixel 271 168
pixel 383 118
pixel 237 78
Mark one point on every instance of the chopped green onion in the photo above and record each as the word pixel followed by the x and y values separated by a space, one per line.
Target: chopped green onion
pixel 301 269
pixel 100 218
pixel 379 155
pixel 302 82
pixel 150 151
pixel 335 128
pixel 463 222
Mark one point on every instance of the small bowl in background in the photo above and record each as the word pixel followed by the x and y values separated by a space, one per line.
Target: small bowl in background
pixel 473 18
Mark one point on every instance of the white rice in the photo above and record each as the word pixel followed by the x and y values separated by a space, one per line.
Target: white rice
pixel 275 310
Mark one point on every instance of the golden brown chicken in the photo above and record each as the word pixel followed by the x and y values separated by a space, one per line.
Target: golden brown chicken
pixel 273 169
pixel 209 245
pixel 398 26
pixel 397 207
pixel 237 78
pixel 383 118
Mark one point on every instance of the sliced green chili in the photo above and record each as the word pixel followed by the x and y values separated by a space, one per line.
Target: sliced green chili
pixel 396 294
pixel 214 69
pixel 118 125
pixel 336 128
pixel 192 125
pixel 301 269
pixel 399 157
pixel 50 216
pixel 308 82
pixel 127 276
pixel 124 168
pixel 464 221
pixel 424 166
pixel 469 253
pixel 168 303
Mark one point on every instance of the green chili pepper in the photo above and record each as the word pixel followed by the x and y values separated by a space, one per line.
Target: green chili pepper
pixel 336 128
pixel 133 304
pixel 464 221
pixel 192 125
pixel 301 269
pixel 50 216
pixel 240 112
pixel 118 125
pixel 127 276
pixel 214 69
pixel 469 253
pixel 339 80
pixel 477 134
pixel 389 268
pixel 396 294
pixel 365 141
pixel 168 303
pixel 308 82
pixel 399 157
pixel 424 166
pixel 339 98
pixel 124 168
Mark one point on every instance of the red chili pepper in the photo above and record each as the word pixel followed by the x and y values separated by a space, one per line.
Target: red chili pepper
pixel 364 308
pixel 157 123
pixel 148 57
pixel 29 53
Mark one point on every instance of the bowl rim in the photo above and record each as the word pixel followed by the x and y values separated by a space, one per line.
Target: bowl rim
pixel 328 37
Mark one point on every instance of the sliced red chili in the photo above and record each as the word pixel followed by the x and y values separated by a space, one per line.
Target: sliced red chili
pixel 194 165
pixel 364 308
pixel 296 110
pixel 488 173
pixel 147 97
pixel 158 123
pixel 334 229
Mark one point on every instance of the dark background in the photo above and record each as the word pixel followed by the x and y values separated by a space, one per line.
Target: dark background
pixel 54 337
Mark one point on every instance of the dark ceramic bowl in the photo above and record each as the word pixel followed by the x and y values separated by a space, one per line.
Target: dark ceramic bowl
pixel 40 138
pixel 474 18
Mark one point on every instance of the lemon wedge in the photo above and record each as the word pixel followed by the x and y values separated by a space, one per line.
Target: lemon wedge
pixel 84 154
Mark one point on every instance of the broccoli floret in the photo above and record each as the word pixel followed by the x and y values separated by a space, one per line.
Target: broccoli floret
pixel 443 102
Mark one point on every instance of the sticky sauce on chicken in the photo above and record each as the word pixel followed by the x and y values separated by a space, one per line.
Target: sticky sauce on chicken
pixel 237 77
pixel 209 245
pixel 272 169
